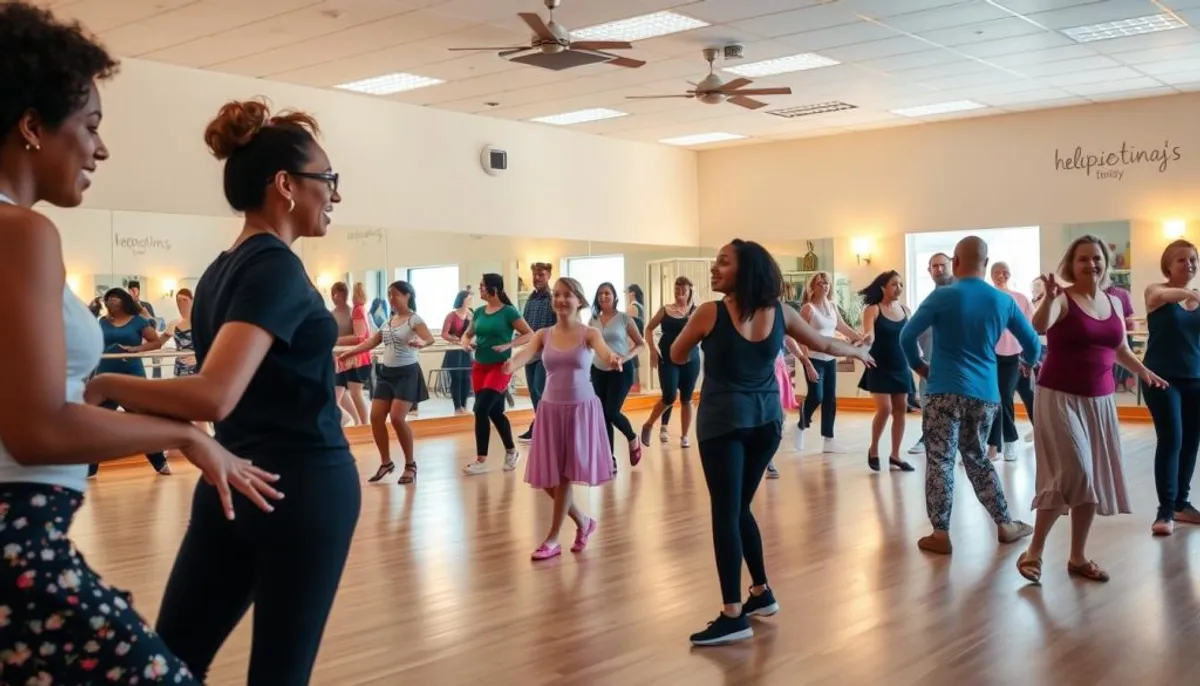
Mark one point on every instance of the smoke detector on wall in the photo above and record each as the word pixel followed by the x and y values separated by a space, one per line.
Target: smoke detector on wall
pixel 734 52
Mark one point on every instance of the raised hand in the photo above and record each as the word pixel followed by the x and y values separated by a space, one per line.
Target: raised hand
pixel 1050 283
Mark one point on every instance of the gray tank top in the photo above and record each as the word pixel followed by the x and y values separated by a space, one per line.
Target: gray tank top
pixel 84 344
pixel 616 336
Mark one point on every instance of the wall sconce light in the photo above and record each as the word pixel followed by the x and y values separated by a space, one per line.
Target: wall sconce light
pixel 1174 228
pixel 324 281
pixel 169 285
pixel 73 282
pixel 862 250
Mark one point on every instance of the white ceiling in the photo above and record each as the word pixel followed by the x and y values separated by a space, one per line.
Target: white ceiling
pixel 1007 54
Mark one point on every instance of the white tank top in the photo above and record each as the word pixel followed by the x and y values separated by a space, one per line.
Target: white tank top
pixel 84 345
pixel 825 322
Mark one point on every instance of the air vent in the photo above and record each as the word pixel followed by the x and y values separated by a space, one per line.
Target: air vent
pixel 808 110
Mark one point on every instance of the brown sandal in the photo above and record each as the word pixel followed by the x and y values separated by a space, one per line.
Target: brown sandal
pixel 410 474
pixel 1030 568
pixel 1090 571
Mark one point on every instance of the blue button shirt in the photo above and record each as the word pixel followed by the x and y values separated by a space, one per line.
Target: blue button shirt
pixel 967 319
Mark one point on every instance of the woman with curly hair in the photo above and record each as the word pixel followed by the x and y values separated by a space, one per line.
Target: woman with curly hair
pixel 59 621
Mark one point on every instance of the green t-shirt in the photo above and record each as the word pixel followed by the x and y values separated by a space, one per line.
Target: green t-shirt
pixel 492 330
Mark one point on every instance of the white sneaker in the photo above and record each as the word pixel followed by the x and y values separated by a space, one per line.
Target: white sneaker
pixel 685 442
pixel 832 447
pixel 664 436
pixel 510 460
pixel 1010 452
pixel 475 468
pixel 798 440
pixel 1029 437
pixel 918 448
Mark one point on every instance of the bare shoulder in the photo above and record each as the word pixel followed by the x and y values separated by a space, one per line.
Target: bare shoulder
pixel 28 235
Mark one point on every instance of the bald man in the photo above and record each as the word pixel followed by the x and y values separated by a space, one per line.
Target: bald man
pixel 967 320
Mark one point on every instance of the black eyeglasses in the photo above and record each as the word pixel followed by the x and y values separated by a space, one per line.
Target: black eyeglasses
pixel 330 178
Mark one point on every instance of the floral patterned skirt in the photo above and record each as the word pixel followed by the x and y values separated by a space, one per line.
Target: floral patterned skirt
pixel 60 623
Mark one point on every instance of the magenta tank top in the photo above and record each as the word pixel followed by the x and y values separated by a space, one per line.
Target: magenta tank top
pixel 1081 351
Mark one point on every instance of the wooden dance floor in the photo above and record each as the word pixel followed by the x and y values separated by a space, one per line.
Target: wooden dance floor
pixel 440 590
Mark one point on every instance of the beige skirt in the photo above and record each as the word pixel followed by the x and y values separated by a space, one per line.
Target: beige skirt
pixel 1078 444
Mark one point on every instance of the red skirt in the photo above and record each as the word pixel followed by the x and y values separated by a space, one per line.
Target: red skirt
pixel 489 377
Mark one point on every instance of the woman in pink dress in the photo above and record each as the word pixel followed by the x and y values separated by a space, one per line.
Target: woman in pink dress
pixel 570 443
pixel 1076 436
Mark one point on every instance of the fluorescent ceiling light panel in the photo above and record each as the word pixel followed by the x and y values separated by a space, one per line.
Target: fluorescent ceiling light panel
pixel 580 116
pixel 389 83
pixel 939 108
pixel 782 65
pixel 640 28
pixel 1125 27
pixel 702 138
pixel 809 110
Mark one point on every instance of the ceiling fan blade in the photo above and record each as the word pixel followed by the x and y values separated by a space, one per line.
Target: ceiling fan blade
pixel 514 51
pixel 746 102
pixel 601 45
pixel 538 25
pixel 655 97
pixel 734 85
pixel 509 47
pixel 761 91
pixel 626 62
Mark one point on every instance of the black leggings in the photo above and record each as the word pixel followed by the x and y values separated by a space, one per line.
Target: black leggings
pixel 458 362
pixel 821 393
pixel 1008 372
pixel 734 464
pixel 157 460
pixel 1175 411
pixel 613 387
pixel 286 563
pixel 1025 390
pixel 677 381
pixel 489 407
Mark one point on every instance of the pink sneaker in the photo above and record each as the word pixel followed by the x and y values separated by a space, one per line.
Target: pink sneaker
pixel 635 453
pixel 545 552
pixel 582 535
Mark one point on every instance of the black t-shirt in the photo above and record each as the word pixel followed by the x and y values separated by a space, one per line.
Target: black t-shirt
pixel 288 415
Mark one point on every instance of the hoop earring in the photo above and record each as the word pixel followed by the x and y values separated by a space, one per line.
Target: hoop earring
pixel 291 205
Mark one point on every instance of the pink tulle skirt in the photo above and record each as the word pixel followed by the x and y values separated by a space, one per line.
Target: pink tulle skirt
pixel 787 393
pixel 569 442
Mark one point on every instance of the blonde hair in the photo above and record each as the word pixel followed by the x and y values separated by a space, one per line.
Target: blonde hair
pixel 360 294
pixel 576 289
pixel 808 287
pixel 1066 267
pixel 1169 254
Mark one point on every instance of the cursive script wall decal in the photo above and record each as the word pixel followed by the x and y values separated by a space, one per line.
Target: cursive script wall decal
pixel 365 236
pixel 1109 165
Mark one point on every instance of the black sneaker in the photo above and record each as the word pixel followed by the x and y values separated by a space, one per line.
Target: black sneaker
pixel 763 605
pixel 526 437
pixel 723 631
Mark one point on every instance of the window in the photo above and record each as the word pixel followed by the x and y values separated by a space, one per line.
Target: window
pixel 1019 247
pixel 435 288
pixel 590 272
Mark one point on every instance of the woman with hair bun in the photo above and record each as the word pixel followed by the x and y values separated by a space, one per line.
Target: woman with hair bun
pixel 263 341
pixel 49 146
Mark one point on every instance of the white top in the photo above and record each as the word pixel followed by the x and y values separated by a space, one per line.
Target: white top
pixel 824 320
pixel 396 350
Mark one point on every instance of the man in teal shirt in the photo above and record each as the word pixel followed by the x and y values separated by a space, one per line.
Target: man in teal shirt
pixel 966 319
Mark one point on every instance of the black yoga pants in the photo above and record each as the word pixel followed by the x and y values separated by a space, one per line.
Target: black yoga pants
pixel 677 381
pixel 613 387
pixel 489 409
pixel 286 563
pixel 1176 414
pixel 734 464
pixel 821 393
pixel 1008 372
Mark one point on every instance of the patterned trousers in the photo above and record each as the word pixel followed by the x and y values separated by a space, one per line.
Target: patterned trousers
pixel 952 424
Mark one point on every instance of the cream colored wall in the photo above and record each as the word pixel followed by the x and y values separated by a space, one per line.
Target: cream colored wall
pixel 402 166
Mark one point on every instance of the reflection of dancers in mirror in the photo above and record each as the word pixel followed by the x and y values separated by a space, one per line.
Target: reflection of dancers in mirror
pixel 264 340
pixel 740 420
pixel 674 380
pixel 635 306
pixel 457 361
pixel 820 312
pixel 622 336
pixel 180 332
pixel 539 314
pixel 787 391
pixel 50 113
pixel 490 335
pixel 352 372
pixel 569 440
pixel 890 381
pixel 400 383
pixel 126 332
pixel 1077 437
pixel 1173 352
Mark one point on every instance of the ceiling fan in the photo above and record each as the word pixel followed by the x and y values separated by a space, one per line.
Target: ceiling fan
pixel 551 38
pixel 713 91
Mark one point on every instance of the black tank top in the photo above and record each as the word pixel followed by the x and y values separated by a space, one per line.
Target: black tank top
pixel 1173 350
pixel 671 328
pixel 740 388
